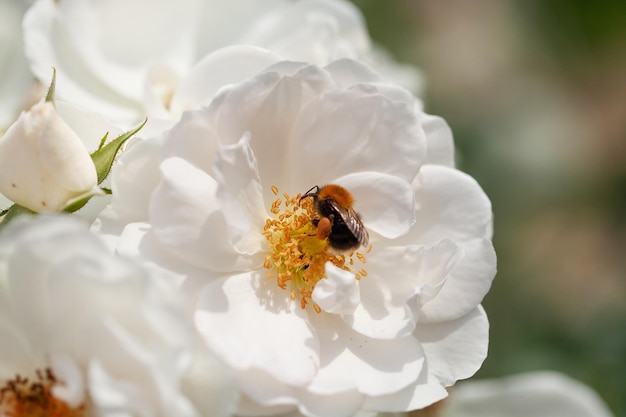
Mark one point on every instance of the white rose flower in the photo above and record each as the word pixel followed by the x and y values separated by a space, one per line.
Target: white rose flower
pixel 43 162
pixel 105 67
pixel 384 328
pixel 86 333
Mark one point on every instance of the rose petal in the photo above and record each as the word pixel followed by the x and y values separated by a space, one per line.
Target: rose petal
pixel 138 241
pixel 542 393
pixel 348 72
pixel 267 107
pixel 466 284
pixel 89 127
pixel 450 204
pixel 455 349
pixel 342 404
pixel 398 279
pixel 386 202
pixel 193 139
pixel 134 178
pixel 248 407
pixel 240 196
pixel 222 385
pixel 368 132
pixel 426 391
pixel 338 293
pixel 15 353
pixel 351 361
pixel 160 84
pixel 48 29
pixel 252 324
pixel 186 219
pixel 225 66
pixel 439 139
pixel 319 31
pixel 72 390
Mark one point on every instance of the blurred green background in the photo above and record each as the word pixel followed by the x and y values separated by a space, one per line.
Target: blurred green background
pixel 535 93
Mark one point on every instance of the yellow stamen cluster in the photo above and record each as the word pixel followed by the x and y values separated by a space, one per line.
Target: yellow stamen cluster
pixel 21 397
pixel 297 256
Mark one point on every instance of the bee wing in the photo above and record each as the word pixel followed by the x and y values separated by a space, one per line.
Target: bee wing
pixel 353 221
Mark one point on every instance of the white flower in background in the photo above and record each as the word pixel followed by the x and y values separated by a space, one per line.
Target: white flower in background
pixel 128 59
pixel 15 77
pixel 43 162
pixel 384 329
pixel 533 394
pixel 86 333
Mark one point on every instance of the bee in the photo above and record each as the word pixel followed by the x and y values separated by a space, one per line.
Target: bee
pixel 338 221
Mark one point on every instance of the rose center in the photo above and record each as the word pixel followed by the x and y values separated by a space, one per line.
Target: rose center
pixel 297 256
pixel 23 397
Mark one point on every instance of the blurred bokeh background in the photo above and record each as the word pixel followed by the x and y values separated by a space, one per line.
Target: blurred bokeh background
pixel 535 93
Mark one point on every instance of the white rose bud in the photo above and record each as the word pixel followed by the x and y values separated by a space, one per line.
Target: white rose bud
pixel 43 163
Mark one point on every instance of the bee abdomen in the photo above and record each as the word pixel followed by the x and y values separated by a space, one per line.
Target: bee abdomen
pixel 341 238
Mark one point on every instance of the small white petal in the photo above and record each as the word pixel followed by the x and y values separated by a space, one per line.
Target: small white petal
pixel 71 389
pixel 467 283
pixel 338 293
pixel 457 348
pixel 439 140
pixel 108 393
pixel 385 202
pixel 449 204
pixel 240 196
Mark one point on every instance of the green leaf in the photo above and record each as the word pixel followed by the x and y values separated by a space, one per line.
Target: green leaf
pixel 12 213
pixel 104 156
pixel 52 88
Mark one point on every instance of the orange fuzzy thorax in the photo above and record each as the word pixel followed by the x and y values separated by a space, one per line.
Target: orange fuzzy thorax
pixel 337 193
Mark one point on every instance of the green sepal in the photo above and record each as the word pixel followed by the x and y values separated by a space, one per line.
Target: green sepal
pixel 52 88
pixel 104 156
pixel 12 213
pixel 79 202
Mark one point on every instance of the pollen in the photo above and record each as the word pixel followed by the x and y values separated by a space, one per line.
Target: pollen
pixel 298 251
pixel 23 397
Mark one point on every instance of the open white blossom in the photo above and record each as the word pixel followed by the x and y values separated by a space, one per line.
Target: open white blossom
pixel 106 67
pixel 386 328
pixel 86 333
